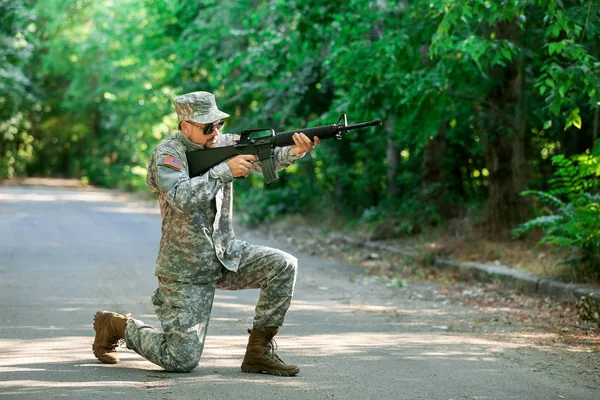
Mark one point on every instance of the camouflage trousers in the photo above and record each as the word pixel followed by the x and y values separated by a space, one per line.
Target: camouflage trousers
pixel 184 308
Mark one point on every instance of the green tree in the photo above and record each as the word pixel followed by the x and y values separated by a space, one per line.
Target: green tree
pixel 499 45
pixel 18 94
pixel 477 97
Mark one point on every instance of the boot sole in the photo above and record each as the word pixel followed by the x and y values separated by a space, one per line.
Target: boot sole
pixel 257 369
pixel 96 328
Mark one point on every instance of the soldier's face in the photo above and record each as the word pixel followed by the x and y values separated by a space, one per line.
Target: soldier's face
pixel 196 133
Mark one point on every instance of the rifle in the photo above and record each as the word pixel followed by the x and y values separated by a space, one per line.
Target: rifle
pixel 200 161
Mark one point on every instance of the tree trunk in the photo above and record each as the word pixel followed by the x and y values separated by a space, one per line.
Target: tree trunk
pixel 505 142
pixel 393 189
pixel 392 152
pixel 342 189
pixel 595 129
pixel 433 176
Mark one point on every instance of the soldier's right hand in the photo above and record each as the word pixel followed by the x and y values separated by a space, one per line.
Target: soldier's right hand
pixel 241 165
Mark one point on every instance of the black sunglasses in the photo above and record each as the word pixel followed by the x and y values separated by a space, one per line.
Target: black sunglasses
pixel 207 130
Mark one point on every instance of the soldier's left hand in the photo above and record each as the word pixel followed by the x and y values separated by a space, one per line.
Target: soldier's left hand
pixel 303 144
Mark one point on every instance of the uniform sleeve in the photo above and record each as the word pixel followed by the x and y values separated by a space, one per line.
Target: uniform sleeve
pixel 185 193
pixel 284 157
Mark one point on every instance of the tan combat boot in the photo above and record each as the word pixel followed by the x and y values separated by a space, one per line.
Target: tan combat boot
pixel 109 327
pixel 261 357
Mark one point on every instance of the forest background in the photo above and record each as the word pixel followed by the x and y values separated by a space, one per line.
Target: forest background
pixel 490 108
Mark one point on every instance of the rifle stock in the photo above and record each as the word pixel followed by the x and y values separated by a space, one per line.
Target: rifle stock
pixel 200 161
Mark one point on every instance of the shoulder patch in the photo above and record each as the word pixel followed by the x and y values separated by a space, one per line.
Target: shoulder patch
pixel 172 162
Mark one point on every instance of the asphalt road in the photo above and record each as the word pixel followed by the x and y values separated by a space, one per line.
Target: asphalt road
pixel 65 253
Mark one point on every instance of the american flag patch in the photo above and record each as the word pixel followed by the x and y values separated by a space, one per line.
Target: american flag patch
pixel 172 162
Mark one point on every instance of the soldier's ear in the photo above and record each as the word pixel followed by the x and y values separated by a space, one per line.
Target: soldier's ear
pixel 184 127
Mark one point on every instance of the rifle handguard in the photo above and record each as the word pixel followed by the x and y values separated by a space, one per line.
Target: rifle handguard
pixel 322 132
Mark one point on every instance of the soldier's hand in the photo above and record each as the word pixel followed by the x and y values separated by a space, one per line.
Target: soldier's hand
pixel 303 144
pixel 241 165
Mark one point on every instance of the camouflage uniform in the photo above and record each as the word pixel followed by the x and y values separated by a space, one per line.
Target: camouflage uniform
pixel 199 253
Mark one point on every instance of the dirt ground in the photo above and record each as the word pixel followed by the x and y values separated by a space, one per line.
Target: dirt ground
pixel 490 310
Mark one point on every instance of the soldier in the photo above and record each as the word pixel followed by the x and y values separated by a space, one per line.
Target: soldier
pixel 199 253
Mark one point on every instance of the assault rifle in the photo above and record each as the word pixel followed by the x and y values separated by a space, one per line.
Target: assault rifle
pixel 263 144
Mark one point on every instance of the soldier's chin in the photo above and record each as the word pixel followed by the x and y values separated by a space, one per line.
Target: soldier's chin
pixel 210 144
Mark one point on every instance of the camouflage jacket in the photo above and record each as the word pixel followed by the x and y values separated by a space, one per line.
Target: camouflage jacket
pixel 197 233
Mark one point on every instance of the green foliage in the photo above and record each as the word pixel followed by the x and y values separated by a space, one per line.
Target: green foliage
pixel 572 215
pixel 86 91
pixel 267 203
pixel 17 92
pixel 570 73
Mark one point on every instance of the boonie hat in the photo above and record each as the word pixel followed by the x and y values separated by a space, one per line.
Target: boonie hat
pixel 199 107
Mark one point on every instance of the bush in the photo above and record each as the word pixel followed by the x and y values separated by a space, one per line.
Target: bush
pixel 572 212
pixel 258 205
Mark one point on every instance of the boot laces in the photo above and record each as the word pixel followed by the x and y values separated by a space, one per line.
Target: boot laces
pixel 270 348
pixel 117 341
pixel 121 343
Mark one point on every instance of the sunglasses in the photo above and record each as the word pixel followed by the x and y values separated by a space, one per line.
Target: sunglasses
pixel 207 130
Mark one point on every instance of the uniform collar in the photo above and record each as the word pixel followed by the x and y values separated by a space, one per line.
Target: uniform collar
pixel 187 142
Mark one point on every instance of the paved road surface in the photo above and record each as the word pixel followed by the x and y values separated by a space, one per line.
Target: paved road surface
pixel 64 253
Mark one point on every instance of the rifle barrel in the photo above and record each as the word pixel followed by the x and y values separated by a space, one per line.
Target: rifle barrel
pixel 362 125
